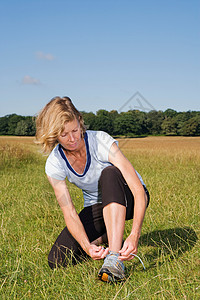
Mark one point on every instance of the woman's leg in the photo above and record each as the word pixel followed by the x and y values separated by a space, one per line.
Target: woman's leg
pixel 114 203
pixel 66 248
pixel 118 204
pixel 114 217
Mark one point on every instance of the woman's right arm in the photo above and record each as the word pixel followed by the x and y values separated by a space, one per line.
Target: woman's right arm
pixel 72 219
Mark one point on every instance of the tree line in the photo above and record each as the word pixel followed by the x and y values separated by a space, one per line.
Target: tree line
pixel 17 125
pixel 131 123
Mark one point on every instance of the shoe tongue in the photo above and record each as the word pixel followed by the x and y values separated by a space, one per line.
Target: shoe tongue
pixel 114 253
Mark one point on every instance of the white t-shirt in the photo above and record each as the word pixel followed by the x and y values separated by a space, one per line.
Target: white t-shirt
pixel 98 145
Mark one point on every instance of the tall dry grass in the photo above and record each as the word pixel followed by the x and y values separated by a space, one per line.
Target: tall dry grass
pixel 30 220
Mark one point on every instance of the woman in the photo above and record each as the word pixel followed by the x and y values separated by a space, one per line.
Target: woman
pixel 113 191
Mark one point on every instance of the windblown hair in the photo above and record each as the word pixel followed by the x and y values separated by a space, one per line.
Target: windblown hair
pixel 51 120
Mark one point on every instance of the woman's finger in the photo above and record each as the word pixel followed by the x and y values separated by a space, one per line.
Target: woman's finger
pixel 124 248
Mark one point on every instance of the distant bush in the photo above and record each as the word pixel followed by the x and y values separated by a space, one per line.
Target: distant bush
pixel 17 125
pixel 139 123
pixel 130 123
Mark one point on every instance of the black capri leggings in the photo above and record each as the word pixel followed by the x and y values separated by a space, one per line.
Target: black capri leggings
pixel 113 188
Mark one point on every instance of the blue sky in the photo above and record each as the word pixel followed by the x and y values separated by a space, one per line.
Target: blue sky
pixel 99 53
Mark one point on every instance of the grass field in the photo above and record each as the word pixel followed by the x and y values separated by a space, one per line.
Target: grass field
pixel 169 245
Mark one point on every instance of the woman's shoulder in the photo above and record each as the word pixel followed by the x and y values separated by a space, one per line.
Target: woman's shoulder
pixel 100 142
pixel 97 134
pixel 54 166
pixel 55 154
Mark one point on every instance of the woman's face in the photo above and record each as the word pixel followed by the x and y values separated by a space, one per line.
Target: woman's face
pixel 70 137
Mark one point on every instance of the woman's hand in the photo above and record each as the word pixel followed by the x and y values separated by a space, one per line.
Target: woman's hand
pixel 97 252
pixel 130 246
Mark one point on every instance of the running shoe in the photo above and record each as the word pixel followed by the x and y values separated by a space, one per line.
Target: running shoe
pixel 113 269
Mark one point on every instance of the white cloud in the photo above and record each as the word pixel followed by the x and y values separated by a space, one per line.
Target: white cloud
pixel 45 56
pixel 30 80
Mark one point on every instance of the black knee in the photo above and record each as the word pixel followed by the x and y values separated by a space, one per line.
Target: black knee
pixel 111 185
pixel 60 257
pixel 110 173
pixel 66 250
pixel 56 257
pixel 51 261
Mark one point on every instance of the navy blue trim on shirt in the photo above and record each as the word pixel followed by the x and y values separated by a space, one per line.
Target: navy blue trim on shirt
pixel 88 162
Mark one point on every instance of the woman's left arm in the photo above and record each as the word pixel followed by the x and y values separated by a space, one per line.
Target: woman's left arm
pixel 117 158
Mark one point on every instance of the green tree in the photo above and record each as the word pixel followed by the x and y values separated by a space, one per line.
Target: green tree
pixel 12 123
pixel 4 125
pixel 89 120
pixel 113 114
pixel 191 127
pixel 154 122
pixel 169 126
pixel 103 121
pixel 25 127
pixel 180 119
pixel 21 128
pixel 170 113
pixel 130 123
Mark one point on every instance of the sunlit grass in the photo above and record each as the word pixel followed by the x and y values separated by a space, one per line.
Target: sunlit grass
pixel 169 245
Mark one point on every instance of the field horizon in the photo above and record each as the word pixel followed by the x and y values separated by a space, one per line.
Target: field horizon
pixel 169 244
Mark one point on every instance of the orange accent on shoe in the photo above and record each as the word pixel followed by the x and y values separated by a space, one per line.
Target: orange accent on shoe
pixel 104 277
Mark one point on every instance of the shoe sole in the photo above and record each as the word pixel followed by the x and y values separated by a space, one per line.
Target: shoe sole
pixel 106 276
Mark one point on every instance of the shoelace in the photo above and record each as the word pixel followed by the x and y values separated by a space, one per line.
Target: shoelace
pixel 139 259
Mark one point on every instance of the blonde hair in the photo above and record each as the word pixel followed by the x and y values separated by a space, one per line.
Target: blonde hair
pixel 51 120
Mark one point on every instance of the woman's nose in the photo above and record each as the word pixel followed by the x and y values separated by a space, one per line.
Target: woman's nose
pixel 71 137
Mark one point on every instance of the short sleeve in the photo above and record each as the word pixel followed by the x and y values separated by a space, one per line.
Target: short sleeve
pixel 104 142
pixel 53 167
